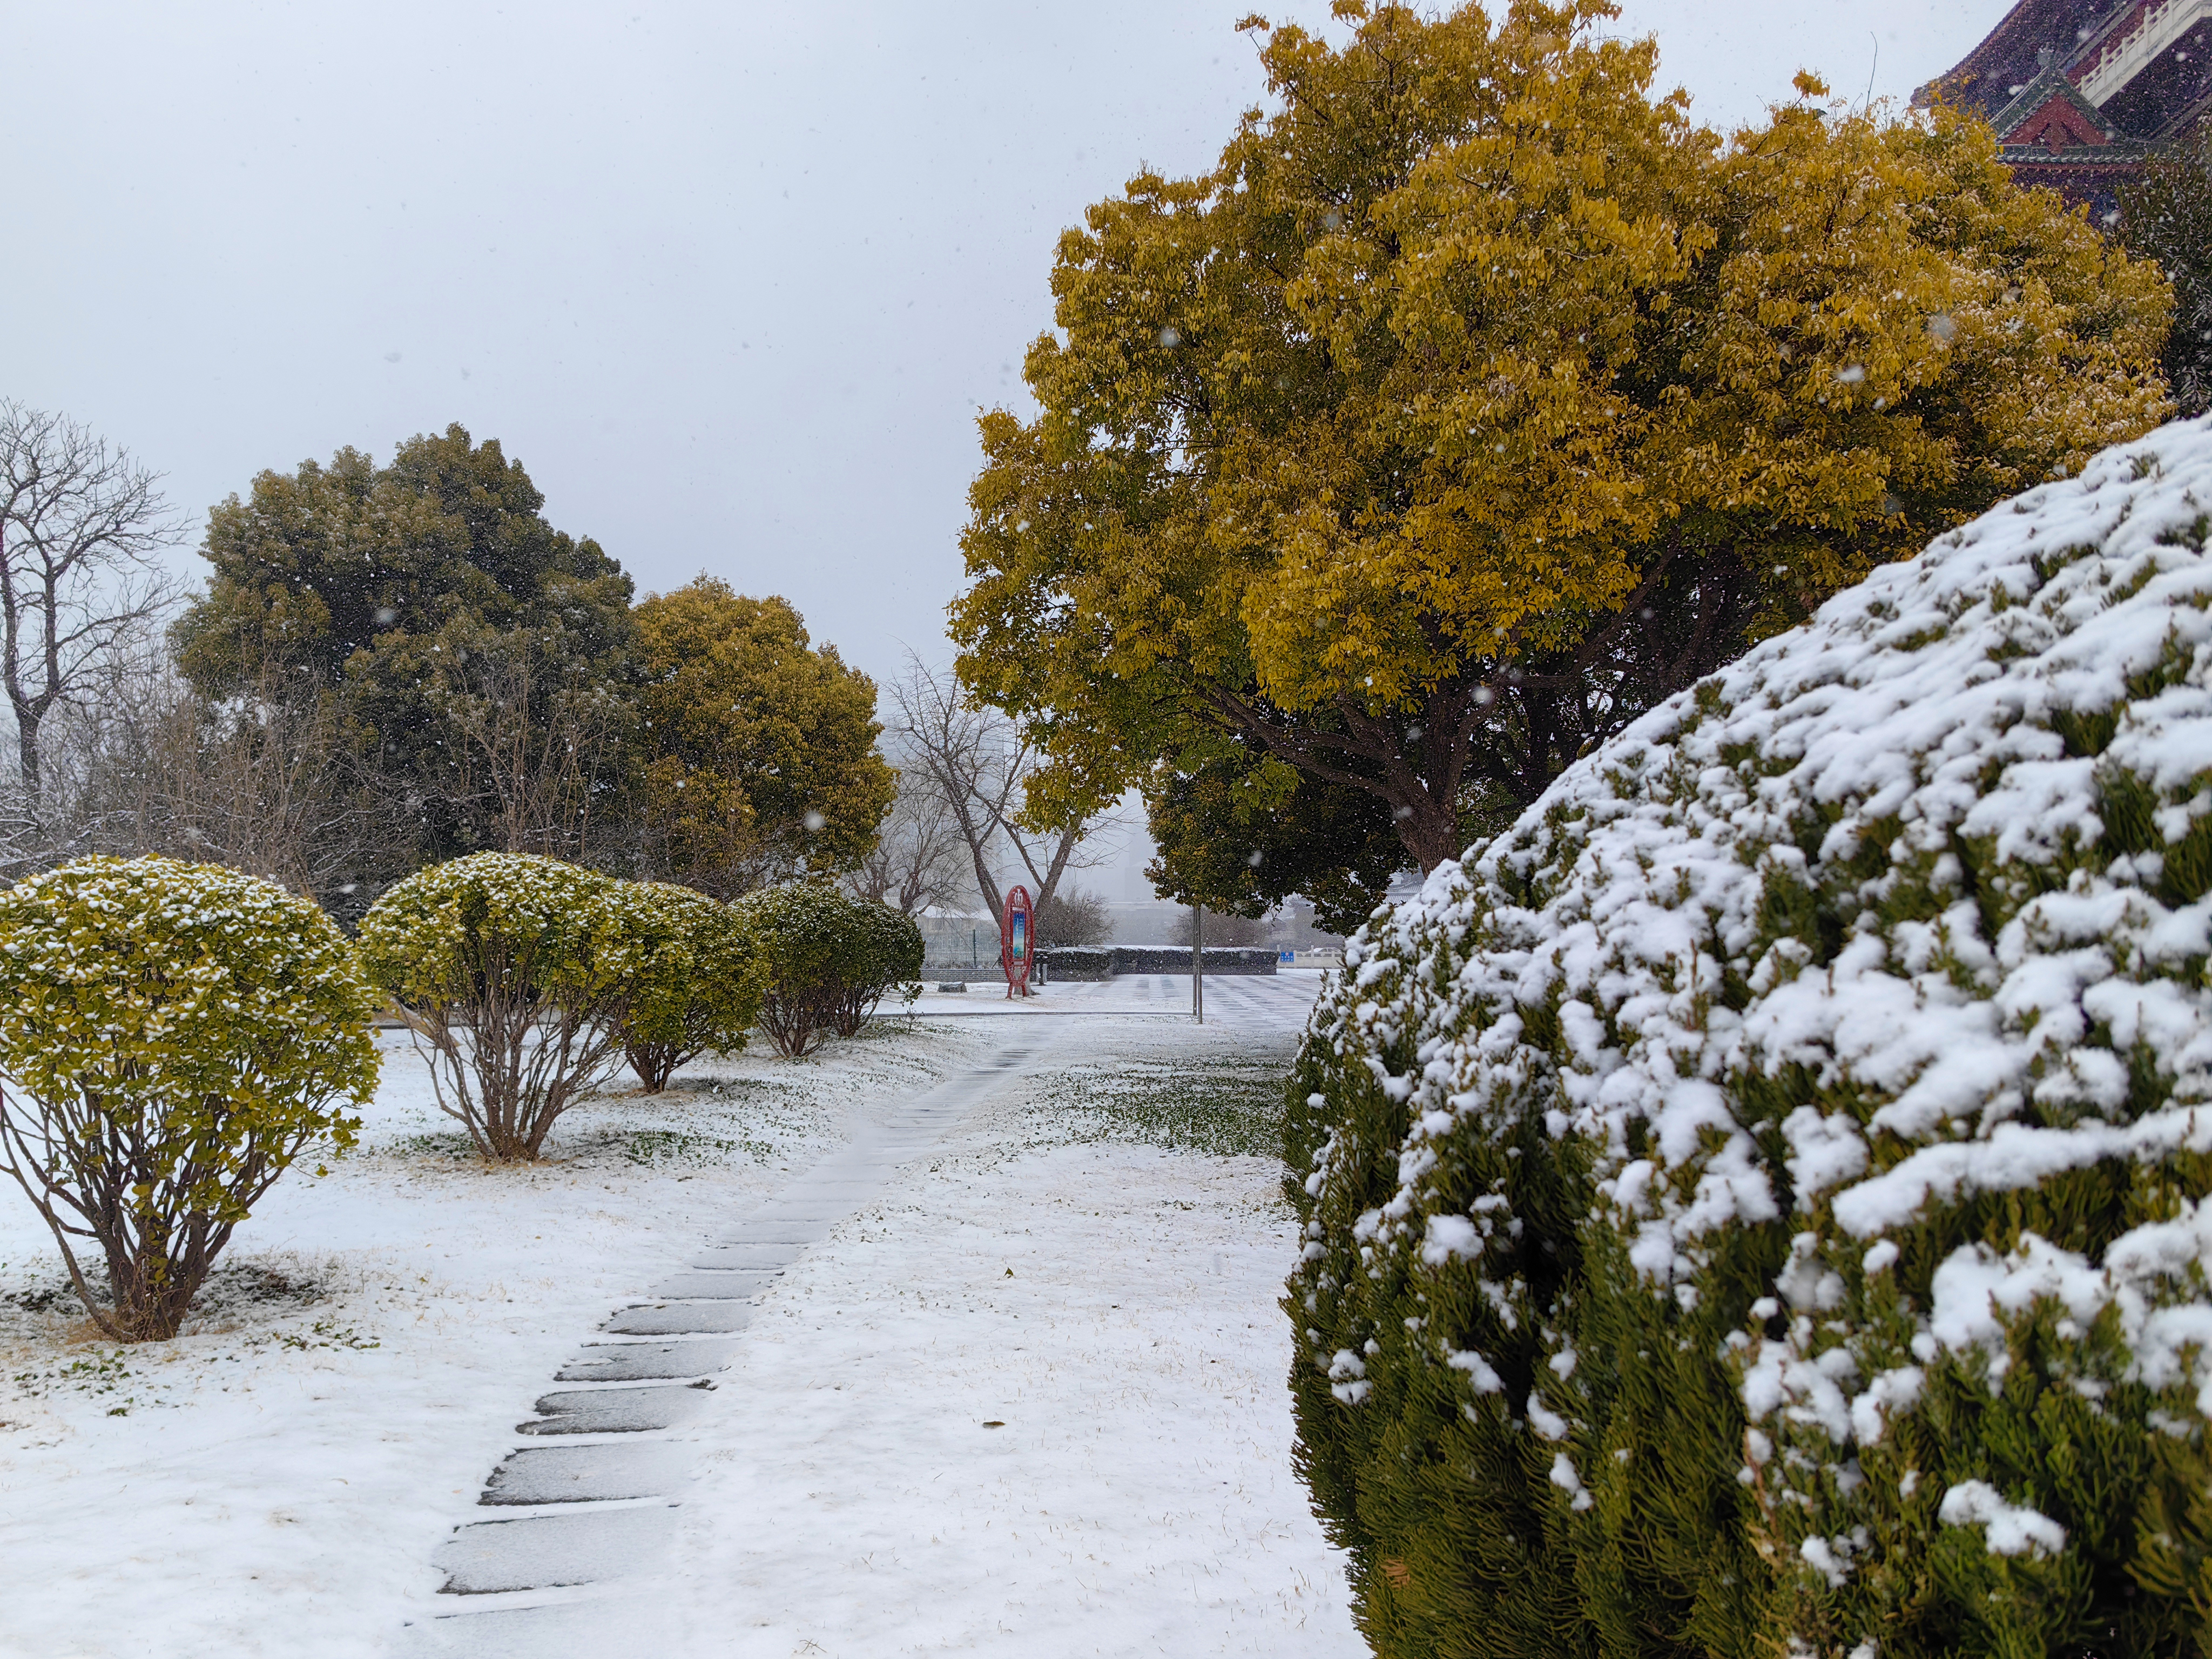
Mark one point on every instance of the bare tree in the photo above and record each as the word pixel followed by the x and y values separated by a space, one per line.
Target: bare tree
pixel 1076 918
pixel 539 755
pixel 262 781
pixel 81 525
pixel 919 858
pixel 99 754
pixel 975 762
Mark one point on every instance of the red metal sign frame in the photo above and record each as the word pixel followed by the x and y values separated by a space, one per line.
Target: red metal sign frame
pixel 1017 942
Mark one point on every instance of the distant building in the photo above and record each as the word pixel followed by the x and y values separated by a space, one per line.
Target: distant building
pixel 2080 91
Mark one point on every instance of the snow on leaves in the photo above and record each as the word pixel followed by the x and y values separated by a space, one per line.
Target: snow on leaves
pixel 1901 920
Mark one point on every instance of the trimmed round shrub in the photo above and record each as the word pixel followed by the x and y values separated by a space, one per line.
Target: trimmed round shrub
pixel 886 956
pixel 690 980
pixel 1757 1205
pixel 508 969
pixel 173 1036
pixel 828 959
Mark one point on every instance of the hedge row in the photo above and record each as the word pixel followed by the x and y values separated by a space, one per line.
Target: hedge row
pixel 1757 1207
pixel 176 1035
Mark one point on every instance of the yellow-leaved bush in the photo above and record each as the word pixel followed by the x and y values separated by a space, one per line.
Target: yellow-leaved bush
pixel 508 968
pixel 173 1036
pixel 1479 400
pixel 691 981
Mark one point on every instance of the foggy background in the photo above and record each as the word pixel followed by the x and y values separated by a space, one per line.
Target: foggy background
pixel 732 281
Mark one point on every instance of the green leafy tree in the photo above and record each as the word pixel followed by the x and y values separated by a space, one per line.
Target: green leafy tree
pixel 477 651
pixel 509 970
pixel 828 961
pixel 175 1035
pixel 2166 215
pixel 1220 847
pixel 883 958
pixel 756 748
pixel 1478 400
pixel 691 979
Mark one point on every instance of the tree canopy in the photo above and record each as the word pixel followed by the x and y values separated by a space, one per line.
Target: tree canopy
pixel 1338 846
pixel 1477 399
pixel 2166 215
pixel 471 643
pixel 319 566
pixel 757 754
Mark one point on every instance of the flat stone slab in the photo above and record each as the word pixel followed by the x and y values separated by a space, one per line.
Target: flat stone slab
pixel 618 1626
pixel 621 1626
pixel 613 1411
pixel 581 1474
pixel 680 1319
pixel 723 1286
pixel 647 1362
pixel 748 1258
pixel 540 1552
pixel 794 1232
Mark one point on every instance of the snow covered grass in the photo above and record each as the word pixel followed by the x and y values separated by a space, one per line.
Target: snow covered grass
pixel 276 1479
pixel 1032 1401
pixel 1233 1108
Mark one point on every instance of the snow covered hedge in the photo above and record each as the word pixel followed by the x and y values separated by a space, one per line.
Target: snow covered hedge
pixel 510 969
pixel 173 1036
pixel 690 980
pixel 1757 1205
pixel 828 959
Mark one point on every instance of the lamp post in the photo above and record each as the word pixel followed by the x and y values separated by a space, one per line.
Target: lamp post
pixel 1198 962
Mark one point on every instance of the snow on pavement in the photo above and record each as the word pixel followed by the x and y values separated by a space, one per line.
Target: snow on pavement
pixel 1113 1306
pixel 272 1482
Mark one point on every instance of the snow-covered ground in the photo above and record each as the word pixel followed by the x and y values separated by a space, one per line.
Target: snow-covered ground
pixel 1089 1258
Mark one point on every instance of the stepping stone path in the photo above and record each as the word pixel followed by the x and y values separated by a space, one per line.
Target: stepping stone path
pixel 596 1472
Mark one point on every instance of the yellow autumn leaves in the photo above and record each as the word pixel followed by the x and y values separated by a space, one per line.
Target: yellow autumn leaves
pixel 1469 332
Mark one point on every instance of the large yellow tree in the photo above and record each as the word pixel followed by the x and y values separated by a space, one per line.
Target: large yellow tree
pixel 758 761
pixel 1478 398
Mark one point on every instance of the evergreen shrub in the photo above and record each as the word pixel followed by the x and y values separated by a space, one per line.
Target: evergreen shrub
pixel 1757 1205
pixel 509 968
pixel 689 980
pixel 828 959
pixel 173 1036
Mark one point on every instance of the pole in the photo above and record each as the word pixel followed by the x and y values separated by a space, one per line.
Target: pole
pixel 1198 962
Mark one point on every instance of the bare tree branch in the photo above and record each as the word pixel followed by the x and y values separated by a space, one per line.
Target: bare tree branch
pixel 82 526
pixel 919 854
pixel 973 761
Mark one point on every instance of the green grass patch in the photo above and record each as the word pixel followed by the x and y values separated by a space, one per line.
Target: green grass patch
pixel 655 1147
pixel 1225 1110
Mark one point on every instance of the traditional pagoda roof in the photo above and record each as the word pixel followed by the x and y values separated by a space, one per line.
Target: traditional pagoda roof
pixel 2080 91
pixel 1996 72
pixel 2048 111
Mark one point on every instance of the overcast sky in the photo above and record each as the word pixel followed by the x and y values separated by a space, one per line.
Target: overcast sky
pixel 731 279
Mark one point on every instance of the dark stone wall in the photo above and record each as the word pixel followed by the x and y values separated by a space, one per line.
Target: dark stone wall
pixel 1094 961
pixel 1077 961
pixel 1104 961
pixel 1175 959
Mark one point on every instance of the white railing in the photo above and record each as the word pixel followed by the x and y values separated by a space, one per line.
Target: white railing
pixel 2118 61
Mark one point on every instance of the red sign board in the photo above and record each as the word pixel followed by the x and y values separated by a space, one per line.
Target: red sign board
pixel 1016 942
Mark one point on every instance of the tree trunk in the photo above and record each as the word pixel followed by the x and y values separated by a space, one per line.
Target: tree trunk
pixel 653 1062
pixel 27 721
pixel 1428 831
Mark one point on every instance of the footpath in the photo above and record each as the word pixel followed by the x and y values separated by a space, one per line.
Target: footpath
pixel 589 1490
pixel 968 1383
